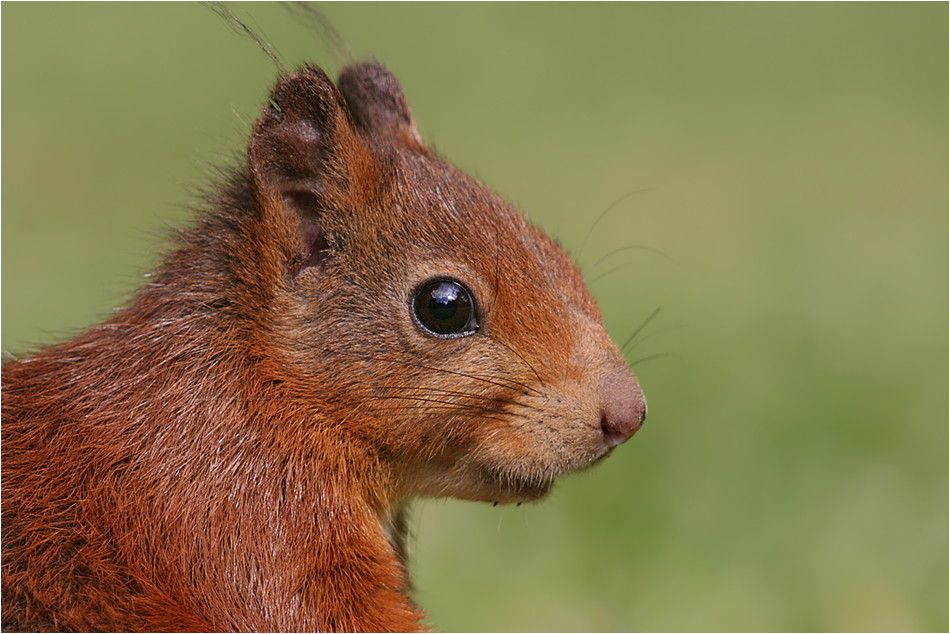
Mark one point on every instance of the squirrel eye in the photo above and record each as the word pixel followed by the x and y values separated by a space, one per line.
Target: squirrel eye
pixel 445 308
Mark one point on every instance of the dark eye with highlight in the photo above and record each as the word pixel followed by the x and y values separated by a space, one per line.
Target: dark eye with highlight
pixel 445 308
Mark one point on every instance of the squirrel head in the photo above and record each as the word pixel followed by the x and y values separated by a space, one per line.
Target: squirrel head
pixel 411 311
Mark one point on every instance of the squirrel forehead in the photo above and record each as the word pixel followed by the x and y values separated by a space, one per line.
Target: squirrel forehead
pixel 383 197
pixel 440 210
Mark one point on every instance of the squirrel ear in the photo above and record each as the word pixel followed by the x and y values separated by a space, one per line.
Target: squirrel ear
pixel 302 151
pixel 378 104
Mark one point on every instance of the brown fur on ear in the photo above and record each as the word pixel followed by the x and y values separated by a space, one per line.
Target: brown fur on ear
pixel 379 105
pixel 304 154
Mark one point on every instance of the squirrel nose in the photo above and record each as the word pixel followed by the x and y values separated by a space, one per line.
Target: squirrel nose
pixel 623 408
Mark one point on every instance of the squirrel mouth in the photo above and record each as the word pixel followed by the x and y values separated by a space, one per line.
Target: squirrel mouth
pixel 516 487
pixel 603 456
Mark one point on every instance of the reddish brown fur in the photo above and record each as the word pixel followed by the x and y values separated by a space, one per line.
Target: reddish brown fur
pixel 235 450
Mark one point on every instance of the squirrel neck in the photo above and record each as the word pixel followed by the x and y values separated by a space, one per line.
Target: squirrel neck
pixel 194 456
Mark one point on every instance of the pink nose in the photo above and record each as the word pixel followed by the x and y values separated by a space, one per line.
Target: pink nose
pixel 623 408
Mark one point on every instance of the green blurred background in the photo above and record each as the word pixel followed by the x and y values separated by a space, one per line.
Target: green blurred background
pixel 785 166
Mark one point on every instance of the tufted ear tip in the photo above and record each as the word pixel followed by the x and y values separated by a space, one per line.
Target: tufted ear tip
pixel 303 148
pixel 306 93
pixel 378 104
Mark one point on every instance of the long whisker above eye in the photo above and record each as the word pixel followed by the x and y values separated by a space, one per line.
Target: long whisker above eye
pixel 657 356
pixel 603 215
pixel 600 217
pixel 652 334
pixel 640 329
pixel 609 271
pixel 632 247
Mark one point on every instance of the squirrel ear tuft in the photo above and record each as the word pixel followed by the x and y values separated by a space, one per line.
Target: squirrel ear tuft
pixel 293 144
pixel 302 152
pixel 378 104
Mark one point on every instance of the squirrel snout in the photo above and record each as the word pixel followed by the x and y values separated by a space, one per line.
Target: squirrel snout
pixel 623 408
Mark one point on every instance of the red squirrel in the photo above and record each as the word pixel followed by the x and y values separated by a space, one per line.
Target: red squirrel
pixel 350 323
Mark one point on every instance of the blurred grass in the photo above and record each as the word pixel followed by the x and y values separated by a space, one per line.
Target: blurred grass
pixel 789 162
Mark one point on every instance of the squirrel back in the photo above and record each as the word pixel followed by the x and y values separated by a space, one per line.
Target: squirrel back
pixel 351 323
